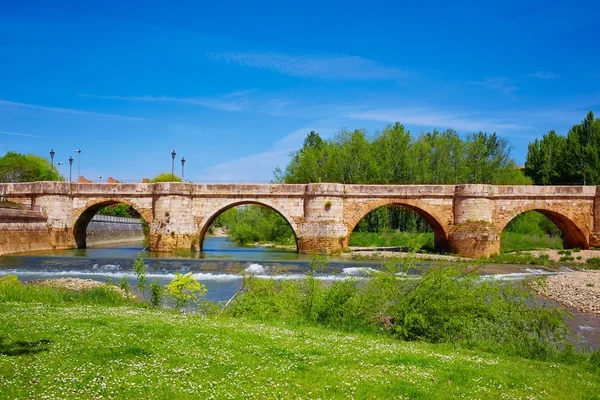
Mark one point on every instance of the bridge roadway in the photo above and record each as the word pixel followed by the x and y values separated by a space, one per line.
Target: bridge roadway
pixel 466 219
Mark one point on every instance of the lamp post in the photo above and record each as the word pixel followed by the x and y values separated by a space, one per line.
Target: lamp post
pixel 326 156
pixel 100 178
pixel 52 158
pixel 58 169
pixel 182 170
pixel 70 168
pixel 173 154
pixel 320 162
pixel 78 164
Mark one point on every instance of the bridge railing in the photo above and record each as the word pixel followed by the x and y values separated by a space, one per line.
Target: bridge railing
pixel 115 219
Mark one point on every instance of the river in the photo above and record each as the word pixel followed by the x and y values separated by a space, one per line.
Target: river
pixel 219 268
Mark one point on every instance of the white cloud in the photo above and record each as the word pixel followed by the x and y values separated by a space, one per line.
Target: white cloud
pixel 333 68
pixel 441 120
pixel 235 101
pixel 544 75
pixel 20 134
pixel 67 110
pixel 253 168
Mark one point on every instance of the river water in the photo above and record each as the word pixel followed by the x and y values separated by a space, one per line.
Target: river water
pixel 220 266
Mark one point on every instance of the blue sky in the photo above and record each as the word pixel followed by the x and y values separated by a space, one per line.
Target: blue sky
pixel 235 86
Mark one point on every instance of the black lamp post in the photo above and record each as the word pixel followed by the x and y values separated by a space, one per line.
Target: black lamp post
pixel 78 164
pixel 320 162
pixel 182 170
pixel 52 158
pixel 70 168
pixel 173 154
pixel 326 156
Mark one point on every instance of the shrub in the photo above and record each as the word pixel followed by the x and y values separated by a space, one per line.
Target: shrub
pixel 447 304
pixel 593 263
pixel 183 252
pixel 184 289
pixel 139 268
pixel 165 177
pixel 125 285
pixel 156 294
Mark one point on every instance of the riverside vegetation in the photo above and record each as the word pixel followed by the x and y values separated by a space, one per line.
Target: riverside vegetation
pixel 446 334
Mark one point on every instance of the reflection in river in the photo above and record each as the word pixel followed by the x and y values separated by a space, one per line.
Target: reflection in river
pixel 219 267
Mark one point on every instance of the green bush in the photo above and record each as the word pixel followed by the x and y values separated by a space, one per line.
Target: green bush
pixel 184 290
pixel 447 304
pixel 156 294
pixel 593 263
pixel 165 177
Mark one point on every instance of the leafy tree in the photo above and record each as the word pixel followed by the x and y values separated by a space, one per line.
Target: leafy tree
pixel 165 177
pixel 545 159
pixel 16 167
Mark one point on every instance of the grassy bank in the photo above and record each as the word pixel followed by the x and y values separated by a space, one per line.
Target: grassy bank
pixel 93 351
pixel 392 238
pixel 512 241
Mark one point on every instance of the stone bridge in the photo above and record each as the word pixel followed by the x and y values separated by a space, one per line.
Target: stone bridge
pixel 466 219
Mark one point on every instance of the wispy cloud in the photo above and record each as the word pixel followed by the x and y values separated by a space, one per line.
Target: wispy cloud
pixel 332 68
pixel 20 134
pixel 432 118
pixel 67 110
pixel 503 85
pixel 235 101
pixel 544 75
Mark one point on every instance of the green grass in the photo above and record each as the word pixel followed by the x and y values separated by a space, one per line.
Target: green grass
pixel 84 351
pixel 512 241
pixel 390 238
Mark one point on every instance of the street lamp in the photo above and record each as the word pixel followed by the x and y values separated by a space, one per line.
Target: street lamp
pixel 173 154
pixel 70 168
pixel 100 178
pixel 326 156
pixel 58 169
pixel 78 164
pixel 320 165
pixel 52 158
pixel 182 165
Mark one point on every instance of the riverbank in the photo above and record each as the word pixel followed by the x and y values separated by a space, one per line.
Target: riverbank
pixel 578 289
pixel 132 352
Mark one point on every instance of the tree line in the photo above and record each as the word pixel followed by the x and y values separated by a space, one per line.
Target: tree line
pixel 573 159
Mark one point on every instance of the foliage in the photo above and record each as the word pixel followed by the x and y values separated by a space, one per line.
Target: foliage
pixel 125 285
pixel 511 242
pixel 519 258
pixel 16 167
pixel 120 210
pixel 184 290
pixel 593 263
pixel 394 156
pixel 165 177
pixel 250 224
pixel 389 238
pixel 574 159
pixel 450 304
pixel 156 294
pixel 139 268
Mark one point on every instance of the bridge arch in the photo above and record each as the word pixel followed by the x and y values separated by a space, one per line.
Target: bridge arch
pixel 82 217
pixel 435 219
pixel 206 222
pixel 573 235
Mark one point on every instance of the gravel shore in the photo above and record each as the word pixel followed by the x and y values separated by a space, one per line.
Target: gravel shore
pixel 580 290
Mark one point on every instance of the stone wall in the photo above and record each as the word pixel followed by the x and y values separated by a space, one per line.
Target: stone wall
pixel 22 231
pixel 104 230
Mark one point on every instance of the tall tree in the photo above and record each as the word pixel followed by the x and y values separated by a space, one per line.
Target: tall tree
pixel 545 159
